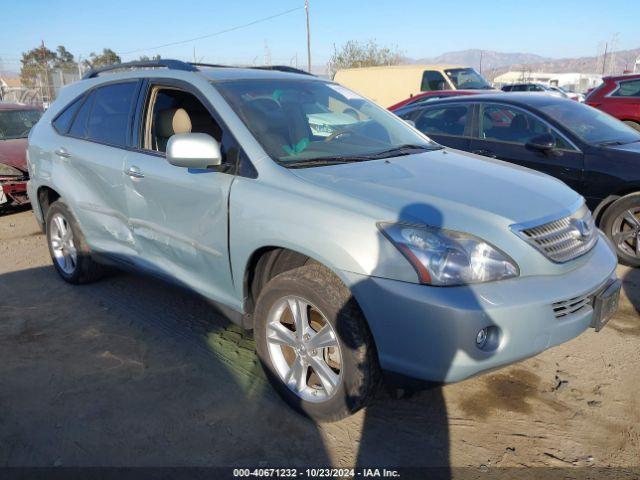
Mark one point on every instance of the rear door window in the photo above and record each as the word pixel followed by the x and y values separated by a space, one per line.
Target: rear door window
pixel 629 88
pixel 432 80
pixel 110 115
pixel 449 120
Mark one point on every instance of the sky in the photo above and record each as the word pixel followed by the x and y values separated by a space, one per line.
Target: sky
pixel 427 28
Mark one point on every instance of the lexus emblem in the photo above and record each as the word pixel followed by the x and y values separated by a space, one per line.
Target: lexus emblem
pixel 580 229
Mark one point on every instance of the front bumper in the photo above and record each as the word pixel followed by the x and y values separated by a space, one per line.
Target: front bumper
pixel 429 333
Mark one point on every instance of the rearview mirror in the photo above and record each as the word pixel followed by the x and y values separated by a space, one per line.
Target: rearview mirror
pixel 193 150
pixel 542 143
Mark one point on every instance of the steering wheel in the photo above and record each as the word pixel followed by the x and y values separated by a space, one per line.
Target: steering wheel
pixel 338 133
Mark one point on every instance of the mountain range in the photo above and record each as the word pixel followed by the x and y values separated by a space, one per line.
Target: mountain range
pixel 494 63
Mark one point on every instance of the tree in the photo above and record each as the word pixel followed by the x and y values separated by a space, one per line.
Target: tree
pixel 35 65
pixel 65 60
pixel 355 54
pixel 145 58
pixel 107 57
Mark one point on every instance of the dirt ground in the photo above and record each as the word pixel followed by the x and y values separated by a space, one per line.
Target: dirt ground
pixel 132 371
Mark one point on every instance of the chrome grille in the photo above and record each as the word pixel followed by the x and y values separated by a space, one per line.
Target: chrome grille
pixel 563 239
pixel 573 305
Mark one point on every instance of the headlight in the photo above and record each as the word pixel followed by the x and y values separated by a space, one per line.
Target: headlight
pixel 9 171
pixel 445 257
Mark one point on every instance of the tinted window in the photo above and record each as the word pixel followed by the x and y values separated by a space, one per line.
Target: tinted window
pixel 432 80
pixel 79 126
pixel 630 88
pixel 109 118
pixel 450 120
pixel 507 124
pixel 63 121
pixel 589 124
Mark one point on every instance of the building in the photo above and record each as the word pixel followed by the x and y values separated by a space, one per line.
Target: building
pixel 574 81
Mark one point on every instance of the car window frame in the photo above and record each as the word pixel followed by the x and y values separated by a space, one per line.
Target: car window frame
pixel 242 166
pixel 468 127
pixel 478 113
pixel 84 96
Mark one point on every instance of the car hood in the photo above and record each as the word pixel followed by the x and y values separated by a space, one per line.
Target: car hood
pixel 13 153
pixel 448 188
pixel 632 148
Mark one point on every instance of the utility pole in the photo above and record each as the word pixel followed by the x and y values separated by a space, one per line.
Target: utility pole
pixel 604 58
pixel 480 62
pixel 306 9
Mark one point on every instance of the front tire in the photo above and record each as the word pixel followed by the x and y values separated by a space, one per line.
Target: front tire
pixel 314 344
pixel 69 251
pixel 621 223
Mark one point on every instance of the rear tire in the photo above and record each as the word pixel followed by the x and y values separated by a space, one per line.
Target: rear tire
pixel 621 224
pixel 322 360
pixel 69 251
pixel 633 124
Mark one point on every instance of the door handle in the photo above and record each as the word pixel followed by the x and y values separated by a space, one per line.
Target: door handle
pixel 134 172
pixel 485 153
pixel 61 152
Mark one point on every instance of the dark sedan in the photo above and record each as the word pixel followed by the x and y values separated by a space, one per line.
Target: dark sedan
pixel 595 154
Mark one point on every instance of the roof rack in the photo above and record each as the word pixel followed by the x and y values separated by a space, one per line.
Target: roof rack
pixel 279 68
pixel 184 66
pixel 170 64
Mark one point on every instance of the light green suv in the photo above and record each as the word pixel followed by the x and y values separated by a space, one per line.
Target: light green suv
pixel 349 242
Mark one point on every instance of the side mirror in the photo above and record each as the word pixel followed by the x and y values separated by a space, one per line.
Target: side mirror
pixel 193 150
pixel 542 143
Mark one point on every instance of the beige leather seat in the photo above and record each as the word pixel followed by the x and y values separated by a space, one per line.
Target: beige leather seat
pixel 170 122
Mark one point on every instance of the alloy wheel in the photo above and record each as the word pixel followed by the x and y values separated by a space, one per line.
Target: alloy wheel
pixel 625 232
pixel 304 349
pixel 62 244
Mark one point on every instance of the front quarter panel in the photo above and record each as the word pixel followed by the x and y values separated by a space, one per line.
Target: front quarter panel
pixel 306 219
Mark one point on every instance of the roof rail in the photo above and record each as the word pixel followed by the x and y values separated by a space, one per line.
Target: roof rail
pixel 171 64
pixel 280 68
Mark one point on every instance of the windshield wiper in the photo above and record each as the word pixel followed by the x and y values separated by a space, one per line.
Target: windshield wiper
pixel 407 149
pixel 314 162
pixel 610 143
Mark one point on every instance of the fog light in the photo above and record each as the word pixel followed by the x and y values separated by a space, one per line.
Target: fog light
pixel 488 339
pixel 481 338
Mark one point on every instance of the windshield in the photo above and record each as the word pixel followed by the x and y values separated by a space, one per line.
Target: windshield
pixel 17 123
pixel 590 125
pixel 467 78
pixel 298 121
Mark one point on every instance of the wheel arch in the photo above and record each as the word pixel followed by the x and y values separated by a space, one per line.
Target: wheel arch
pixel 624 191
pixel 268 261
pixel 46 196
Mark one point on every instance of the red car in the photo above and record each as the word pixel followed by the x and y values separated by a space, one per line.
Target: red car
pixel 15 123
pixel 619 96
pixel 432 95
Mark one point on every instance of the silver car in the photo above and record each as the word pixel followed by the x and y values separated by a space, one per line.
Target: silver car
pixel 352 247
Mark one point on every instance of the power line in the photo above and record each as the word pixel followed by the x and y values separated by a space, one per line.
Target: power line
pixel 264 19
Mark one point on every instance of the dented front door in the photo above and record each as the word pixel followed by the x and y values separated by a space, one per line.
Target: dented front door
pixel 178 218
